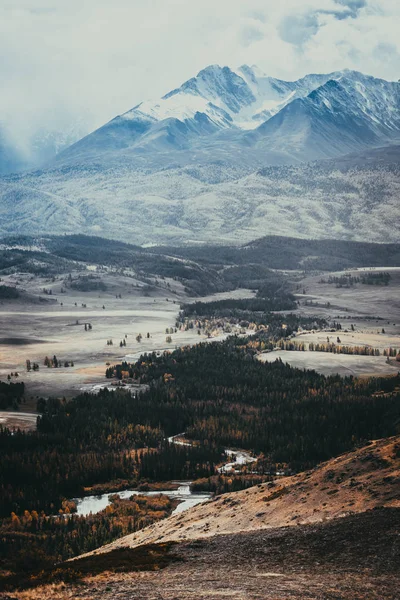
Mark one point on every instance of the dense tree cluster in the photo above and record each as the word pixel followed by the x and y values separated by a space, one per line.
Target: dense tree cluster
pixel 245 308
pixel 332 347
pixel 8 292
pixel 367 278
pixel 219 393
pixel 279 252
pixel 239 312
pixel 87 441
pixel 222 484
pixel 11 394
pixel 86 283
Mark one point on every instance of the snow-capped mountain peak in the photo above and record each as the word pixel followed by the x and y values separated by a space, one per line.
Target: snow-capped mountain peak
pixel 242 115
pixel 182 107
pixel 219 85
pixel 244 97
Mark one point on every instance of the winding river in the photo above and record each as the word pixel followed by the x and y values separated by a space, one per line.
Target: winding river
pixel 95 504
pixel 188 499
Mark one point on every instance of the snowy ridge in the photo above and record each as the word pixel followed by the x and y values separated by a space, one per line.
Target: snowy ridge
pixel 182 107
pixel 348 113
pixel 235 115
pixel 243 116
pixel 245 96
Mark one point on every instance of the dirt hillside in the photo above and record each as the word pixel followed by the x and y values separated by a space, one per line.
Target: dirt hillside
pixel 352 483
pixel 331 533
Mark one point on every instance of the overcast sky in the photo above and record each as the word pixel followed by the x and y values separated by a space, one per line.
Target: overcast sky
pixel 62 60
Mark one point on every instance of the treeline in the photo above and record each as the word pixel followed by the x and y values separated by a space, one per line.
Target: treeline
pixel 335 348
pixel 331 347
pixel 391 352
pixel 222 484
pixel 11 394
pixel 238 309
pixel 347 280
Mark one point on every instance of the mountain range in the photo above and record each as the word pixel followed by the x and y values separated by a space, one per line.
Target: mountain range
pixel 245 115
pixel 229 155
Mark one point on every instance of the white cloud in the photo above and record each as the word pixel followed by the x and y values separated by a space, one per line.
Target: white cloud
pixel 64 59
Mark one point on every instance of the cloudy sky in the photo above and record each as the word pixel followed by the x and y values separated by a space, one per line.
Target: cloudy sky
pixel 68 60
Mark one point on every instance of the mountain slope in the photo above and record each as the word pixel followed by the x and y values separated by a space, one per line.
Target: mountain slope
pixel 341 116
pixel 356 557
pixel 352 483
pixel 210 202
pixel 330 533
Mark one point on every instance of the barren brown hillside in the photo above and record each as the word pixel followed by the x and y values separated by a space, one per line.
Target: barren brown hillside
pixel 354 482
pixel 328 534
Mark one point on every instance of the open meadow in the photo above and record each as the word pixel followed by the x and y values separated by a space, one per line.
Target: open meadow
pixel 368 314
pixel 53 319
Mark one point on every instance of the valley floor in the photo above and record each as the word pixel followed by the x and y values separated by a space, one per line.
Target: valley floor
pixel 37 325
pixel 373 311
